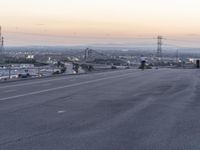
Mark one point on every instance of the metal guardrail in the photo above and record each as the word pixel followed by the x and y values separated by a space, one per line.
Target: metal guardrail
pixel 14 73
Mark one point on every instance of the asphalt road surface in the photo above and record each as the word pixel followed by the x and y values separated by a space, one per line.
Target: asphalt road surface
pixel 121 110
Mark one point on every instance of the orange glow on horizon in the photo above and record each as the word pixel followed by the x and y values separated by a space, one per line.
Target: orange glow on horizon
pixel 99 19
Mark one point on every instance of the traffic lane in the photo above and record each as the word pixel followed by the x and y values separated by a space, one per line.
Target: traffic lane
pixel 20 92
pixel 23 100
pixel 51 109
pixel 60 78
pixel 7 106
pixel 102 100
pixel 114 124
pixel 139 81
pixel 47 83
pixel 40 88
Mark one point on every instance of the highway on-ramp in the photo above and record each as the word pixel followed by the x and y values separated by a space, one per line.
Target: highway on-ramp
pixel 119 110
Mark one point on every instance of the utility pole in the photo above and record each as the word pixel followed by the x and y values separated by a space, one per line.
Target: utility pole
pixel 1 47
pixel 86 54
pixel 1 42
pixel 177 56
pixel 159 47
pixel 0 31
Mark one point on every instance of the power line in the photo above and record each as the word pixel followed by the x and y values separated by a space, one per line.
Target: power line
pixel 182 40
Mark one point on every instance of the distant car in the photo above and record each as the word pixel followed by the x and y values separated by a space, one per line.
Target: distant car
pixel 56 72
pixel 24 75
pixel 114 67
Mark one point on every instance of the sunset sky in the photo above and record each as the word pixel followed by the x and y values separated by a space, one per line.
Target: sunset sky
pixel 76 22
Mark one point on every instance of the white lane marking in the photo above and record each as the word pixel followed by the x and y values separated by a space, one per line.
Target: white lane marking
pixel 57 79
pixel 9 91
pixel 72 80
pixel 62 87
pixel 61 111
pixel 46 84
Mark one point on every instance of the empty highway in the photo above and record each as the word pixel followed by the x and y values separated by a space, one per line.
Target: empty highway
pixel 120 110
